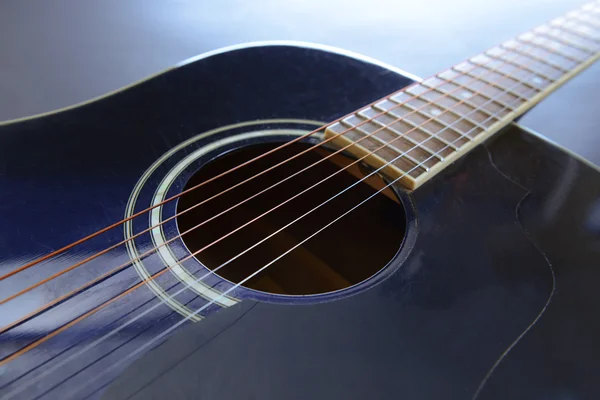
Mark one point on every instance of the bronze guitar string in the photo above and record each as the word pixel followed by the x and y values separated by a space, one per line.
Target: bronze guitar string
pixel 139 213
pixel 125 265
pixel 377 149
pixel 178 324
pixel 204 201
pixel 53 368
pixel 258 271
pixel 446 146
pixel 14 355
pixel 116 224
pixel 158 337
pixel 86 260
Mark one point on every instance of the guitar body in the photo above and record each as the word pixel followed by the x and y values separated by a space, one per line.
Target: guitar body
pixel 492 293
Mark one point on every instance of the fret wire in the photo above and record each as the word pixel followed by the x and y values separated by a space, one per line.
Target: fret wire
pixel 472 91
pixel 511 76
pixel 558 32
pixel 408 105
pixel 402 135
pixel 452 114
pixel 584 19
pixel 574 32
pixel 499 119
pixel 430 138
pixel 549 48
pixel 503 118
pixel 538 49
pixel 491 108
pixel 546 56
pixel 445 126
pixel 461 135
pixel 440 94
pixel 475 108
pixel 518 81
pixel 577 33
pixel 568 53
pixel 418 126
pixel 525 67
pixel 452 96
pixel 435 105
pixel 520 50
pixel 579 24
pixel 401 163
pixel 582 55
pixel 518 72
pixel 419 129
pixel 405 154
pixel 415 126
pixel 535 58
pixel 562 39
pixel 497 85
pixel 507 75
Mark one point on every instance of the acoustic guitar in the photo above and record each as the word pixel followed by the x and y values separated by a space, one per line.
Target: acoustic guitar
pixel 209 233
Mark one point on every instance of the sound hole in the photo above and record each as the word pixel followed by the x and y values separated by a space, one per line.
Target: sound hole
pixel 348 252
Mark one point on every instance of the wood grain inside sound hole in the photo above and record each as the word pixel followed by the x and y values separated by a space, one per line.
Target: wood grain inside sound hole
pixel 349 252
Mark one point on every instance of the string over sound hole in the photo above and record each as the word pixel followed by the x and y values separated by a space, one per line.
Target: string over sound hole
pixel 351 250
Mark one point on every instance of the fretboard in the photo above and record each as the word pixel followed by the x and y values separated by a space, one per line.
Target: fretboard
pixel 411 135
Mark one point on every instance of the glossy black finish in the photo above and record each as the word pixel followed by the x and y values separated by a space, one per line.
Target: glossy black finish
pixel 502 246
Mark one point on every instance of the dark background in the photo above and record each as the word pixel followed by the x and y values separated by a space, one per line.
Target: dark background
pixel 57 53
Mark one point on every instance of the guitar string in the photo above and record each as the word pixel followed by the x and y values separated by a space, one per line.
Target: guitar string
pixel 139 213
pixel 158 337
pixel 85 315
pixel 110 273
pixel 127 264
pixel 116 270
pixel 139 316
pixel 591 25
pixel 97 309
pixel 90 258
pixel 132 321
pixel 166 332
pixel 199 310
pixel 116 224
pixel 518 83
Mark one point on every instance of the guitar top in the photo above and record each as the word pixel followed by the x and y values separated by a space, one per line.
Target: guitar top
pixel 226 229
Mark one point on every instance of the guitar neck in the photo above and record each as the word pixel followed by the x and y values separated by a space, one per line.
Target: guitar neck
pixel 413 134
